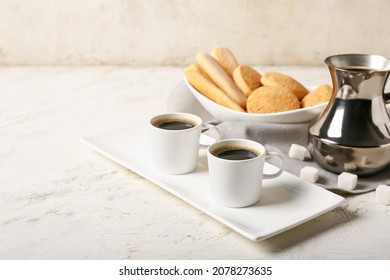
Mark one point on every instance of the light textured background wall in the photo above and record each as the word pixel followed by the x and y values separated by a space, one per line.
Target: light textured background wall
pixel 171 32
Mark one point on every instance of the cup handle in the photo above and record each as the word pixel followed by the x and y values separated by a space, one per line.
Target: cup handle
pixel 210 126
pixel 280 157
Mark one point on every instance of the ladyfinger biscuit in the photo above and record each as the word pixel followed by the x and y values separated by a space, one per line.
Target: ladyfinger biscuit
pixel 321 94
pixel 208 89
pixel 247 79
pixel 272 99
pixel 196 67
pixel 225 58
pixel 281 80
pixel 220 78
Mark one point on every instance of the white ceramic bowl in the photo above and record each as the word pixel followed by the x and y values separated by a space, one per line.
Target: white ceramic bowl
pixel 225 114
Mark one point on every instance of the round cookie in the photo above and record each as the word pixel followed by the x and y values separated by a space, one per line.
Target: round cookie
pixel 321 94
pixel 247 79
pixel 278 79
pixel 272 99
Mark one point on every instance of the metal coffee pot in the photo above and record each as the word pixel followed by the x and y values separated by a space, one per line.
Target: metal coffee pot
pixel 353 132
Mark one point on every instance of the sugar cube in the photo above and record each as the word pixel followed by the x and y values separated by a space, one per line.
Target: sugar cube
pixel 309 174
pixel 382 195
pixel 297 152
pixel 347 181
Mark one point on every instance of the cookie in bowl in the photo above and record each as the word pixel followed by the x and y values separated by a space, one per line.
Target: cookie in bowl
pixel 220 78
pixel 285 81
pixel 247 79
pixel 225 58
pixel 205 86
pixel 320 95
pixel 272 99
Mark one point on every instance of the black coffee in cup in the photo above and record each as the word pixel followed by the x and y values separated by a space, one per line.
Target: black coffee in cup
pixel 174 124
pixel 235 153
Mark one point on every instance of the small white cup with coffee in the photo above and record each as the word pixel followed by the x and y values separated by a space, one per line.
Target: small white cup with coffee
pixel 236 171
pixel 174 139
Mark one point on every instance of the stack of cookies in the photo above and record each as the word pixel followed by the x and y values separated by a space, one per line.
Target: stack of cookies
pixel 219 77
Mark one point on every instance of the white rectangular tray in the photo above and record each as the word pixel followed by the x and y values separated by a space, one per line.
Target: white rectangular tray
pixel 286 201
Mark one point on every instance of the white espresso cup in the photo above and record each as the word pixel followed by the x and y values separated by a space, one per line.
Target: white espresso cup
pixel 174 139
pixel 236 171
